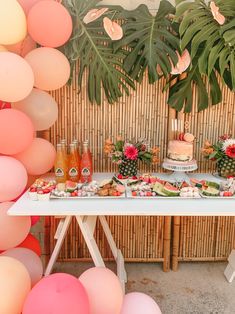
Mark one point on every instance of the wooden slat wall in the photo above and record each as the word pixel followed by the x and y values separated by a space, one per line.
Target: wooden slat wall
pixel 143 114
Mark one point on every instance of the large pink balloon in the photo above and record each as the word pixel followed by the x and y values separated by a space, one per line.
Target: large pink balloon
pixel 13 178
pixel 23 47
pixel 16 77
pixel 14 285
pixel 59 294
pixel 50 67
pixel 30 260
pixel 13 229
pixel 49 23
pixel 104 290
pixel 17 131
pixel 27 5
pixel 139 303
pixel 40 107
pixel 39 157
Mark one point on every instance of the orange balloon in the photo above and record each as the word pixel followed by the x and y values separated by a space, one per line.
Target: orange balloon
pixel 23 47
pixel 38 158
pixel 31 243
pixel 49 23
pixel 50 67
pixel 16 77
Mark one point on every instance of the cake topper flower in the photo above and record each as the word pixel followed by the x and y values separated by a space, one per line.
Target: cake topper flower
pixel 93 15
pixel 216 14
pixel 114 30
pixel 183 63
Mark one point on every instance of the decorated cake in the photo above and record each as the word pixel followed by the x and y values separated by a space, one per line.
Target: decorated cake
pixel 181 149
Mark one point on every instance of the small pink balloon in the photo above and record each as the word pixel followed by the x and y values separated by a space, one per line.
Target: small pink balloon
pixel 50 67
pixel 49 23
pixel 104 290
pixel 16 77
pixel 23 47
pixel 13 229
pixel 27 5
pixel 17 131
pixel 30 260
pixel 14 285
pixel 13 178
pixel 139 303
pixel 57 293
pixel 39 157
pixel 40 107
pixel 34 220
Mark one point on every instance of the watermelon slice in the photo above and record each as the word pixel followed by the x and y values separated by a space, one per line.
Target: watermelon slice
pixel 196 183
pixel 170 190
pixel 70 186
pixel 158 188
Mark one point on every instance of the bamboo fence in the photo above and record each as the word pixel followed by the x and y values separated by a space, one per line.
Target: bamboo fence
pixel 144 114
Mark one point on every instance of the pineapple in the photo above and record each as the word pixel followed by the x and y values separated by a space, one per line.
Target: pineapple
pixel 128 168
pixel 226 167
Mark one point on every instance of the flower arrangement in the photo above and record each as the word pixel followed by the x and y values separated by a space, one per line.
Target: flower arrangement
pixel 126 154
pixel 223 152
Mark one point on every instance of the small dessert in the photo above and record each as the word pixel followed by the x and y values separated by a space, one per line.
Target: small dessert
pixel 191 192
pixel 33 194
pixel 43 195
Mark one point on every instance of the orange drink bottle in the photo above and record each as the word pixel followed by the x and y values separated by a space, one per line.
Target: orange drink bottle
pixel 73 173
pixel 60 165
pixel 75 142
pixel 90 156
pixel 65 154
pixel 86 164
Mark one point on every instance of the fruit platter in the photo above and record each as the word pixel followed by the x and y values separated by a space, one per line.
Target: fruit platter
pixel 45 190
pixel 150 186
pixel 210 189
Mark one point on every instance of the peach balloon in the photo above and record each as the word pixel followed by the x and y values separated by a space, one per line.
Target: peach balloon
pixel 49 23
pixel 103 289
pixel 30 260
pixel 13 229
pixel 2 48
pixel 38 158
pixel 16 131
pixel 23 47
pixel 15 285
pixel 13 178
pixel 50 67
pixel 16 77
pixel 40 107
pixel 13 25
pixel 27 5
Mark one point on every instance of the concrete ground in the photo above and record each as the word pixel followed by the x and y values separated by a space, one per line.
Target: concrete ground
pixel 197 288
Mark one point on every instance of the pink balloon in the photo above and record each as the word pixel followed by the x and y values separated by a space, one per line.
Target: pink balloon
pixel 34 220
pixel 23 47
pixel 40 107
pixel 30 260
pixel 59 294
pixel 39 157
pixel 14 285
pixel 16 131
pixel 13 178
pixel 50 67
pixel 49 23
pixel 16 77
pixel 104 290
pixel 27 5
pixel 139 303
pixel 13 229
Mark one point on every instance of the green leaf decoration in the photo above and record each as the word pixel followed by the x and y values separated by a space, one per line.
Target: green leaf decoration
pixel 150 40
pixel 93 48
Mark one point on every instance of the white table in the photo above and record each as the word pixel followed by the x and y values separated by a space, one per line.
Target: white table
pixel 87 211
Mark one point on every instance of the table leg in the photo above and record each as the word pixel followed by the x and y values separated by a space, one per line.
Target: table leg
pixel 60 235
pixel 167 244
pixel 121 272
pixel 87 224
pixel 230 269
pixel 176 240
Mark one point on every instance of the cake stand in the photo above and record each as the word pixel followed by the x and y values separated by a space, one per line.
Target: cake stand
pixel 179 169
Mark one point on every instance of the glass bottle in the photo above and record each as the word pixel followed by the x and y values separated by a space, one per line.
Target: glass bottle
pixel 73 164
pixel 60 165
pixel 86 164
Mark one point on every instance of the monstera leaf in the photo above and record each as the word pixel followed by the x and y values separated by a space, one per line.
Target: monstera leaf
pixel 93 48
pixel 151 41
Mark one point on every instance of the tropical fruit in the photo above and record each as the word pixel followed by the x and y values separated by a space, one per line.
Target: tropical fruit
pixel 70 186
pixel 170 190
pixel 210 191
pixel 128 168
pixel 158 188
pixel 226 167
pixel 212 184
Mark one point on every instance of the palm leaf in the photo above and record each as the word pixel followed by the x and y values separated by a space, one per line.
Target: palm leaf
pixel 150 40
pixel 93 48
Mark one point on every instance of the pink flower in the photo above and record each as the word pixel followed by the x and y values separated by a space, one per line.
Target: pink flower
pixel 230 151
pixel 131 152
